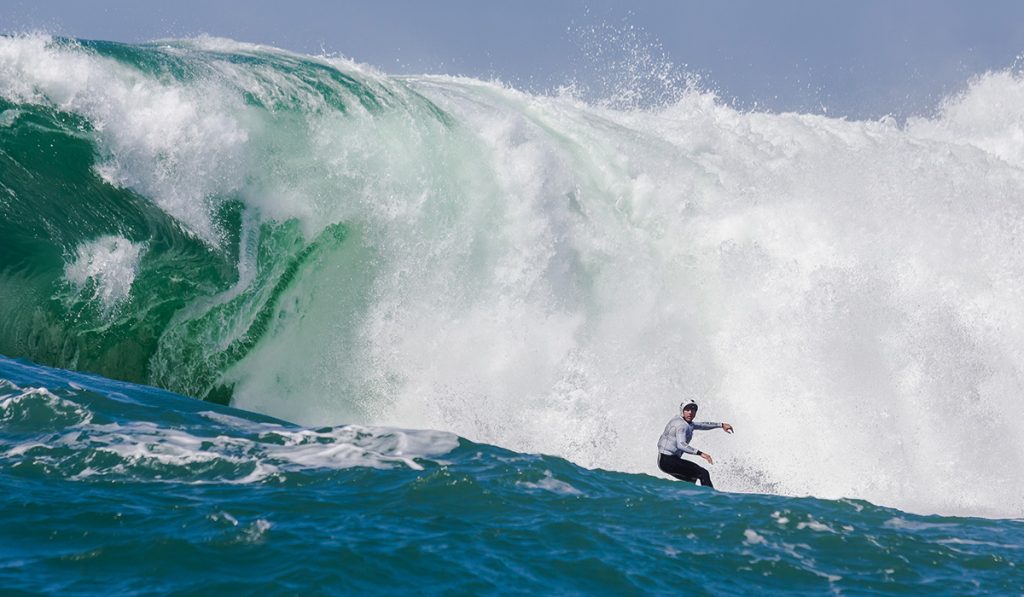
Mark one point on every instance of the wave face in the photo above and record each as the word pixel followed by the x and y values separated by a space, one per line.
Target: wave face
pixel 310 239
pixel 103 478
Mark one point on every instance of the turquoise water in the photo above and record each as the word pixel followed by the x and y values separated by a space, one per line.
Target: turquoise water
pixel 118 488
pixel 429 329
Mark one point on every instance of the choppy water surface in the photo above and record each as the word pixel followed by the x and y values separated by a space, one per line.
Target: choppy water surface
pixel 120 488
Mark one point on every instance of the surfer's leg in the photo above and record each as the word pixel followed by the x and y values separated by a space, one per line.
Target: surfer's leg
pixel 677 468
pixel 705 478
pixel 696 471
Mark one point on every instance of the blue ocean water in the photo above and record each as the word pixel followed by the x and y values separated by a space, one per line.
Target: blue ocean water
pixel 118 488
pixel 356 332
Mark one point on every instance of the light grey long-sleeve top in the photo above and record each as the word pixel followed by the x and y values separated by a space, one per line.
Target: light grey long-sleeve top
pixel 675 440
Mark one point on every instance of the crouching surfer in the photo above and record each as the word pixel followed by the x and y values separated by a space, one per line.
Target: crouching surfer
pixel 675 441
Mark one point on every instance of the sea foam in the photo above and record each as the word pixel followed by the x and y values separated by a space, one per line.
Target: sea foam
pixel 105 268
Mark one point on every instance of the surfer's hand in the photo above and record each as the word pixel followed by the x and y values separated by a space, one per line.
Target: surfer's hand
pixel 707 457
pixel 727 427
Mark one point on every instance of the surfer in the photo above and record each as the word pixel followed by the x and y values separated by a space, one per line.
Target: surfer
pixel 675 441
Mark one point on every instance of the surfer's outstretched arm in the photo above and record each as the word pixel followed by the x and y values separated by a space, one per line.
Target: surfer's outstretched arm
pixel 705 426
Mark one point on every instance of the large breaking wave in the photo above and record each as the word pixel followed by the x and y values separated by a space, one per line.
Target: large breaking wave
pixel 308 238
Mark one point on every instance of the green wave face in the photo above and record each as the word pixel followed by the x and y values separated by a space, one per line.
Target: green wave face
pixel 158 207
pixel 54 203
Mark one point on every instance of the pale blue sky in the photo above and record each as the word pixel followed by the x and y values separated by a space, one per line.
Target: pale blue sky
pixel 861 58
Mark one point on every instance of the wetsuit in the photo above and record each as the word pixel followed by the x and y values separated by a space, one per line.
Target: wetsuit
pixel 674 442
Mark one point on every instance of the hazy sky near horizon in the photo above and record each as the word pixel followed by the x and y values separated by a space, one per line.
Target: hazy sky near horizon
pixel 858 59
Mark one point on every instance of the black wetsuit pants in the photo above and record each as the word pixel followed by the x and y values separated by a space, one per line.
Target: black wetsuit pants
pixel 684 470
